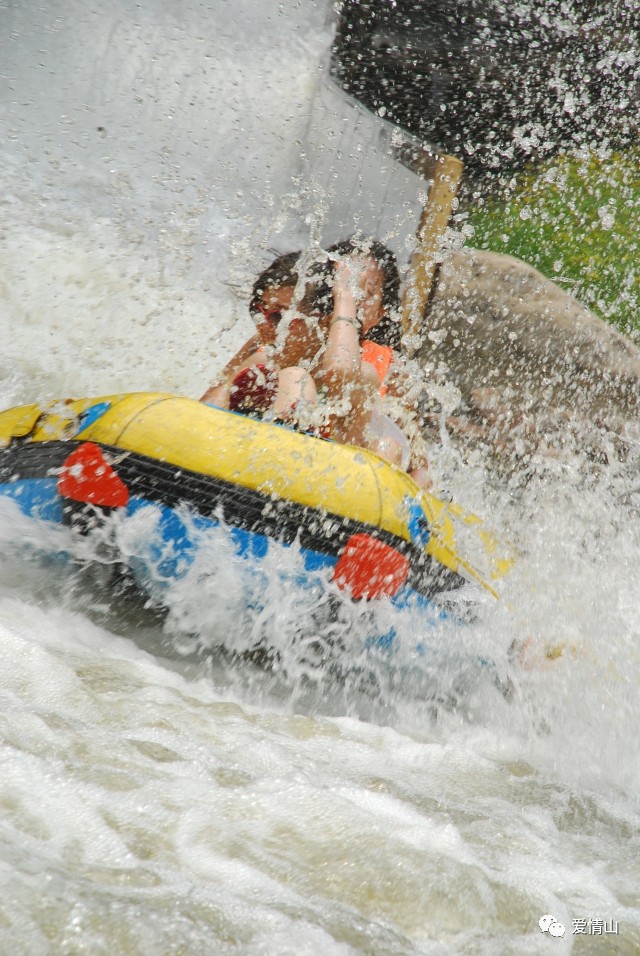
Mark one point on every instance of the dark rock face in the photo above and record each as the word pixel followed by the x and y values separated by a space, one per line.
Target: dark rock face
pixel 510 339
pixel 495 83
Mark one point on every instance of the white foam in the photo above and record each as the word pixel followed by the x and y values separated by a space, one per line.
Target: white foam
pixel 149 806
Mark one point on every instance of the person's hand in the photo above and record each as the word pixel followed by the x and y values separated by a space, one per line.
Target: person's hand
pixel 350 277
pixel 368 278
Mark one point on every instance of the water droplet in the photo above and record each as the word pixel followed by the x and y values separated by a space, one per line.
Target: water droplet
pixel 607 216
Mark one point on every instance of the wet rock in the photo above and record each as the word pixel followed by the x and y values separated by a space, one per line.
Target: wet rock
pixel 495 321
pixel 531 362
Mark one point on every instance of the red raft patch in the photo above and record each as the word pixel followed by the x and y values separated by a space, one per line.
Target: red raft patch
pixel 369 568
pixel 88 477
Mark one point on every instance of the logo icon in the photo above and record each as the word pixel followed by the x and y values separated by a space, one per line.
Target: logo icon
pixel 549 924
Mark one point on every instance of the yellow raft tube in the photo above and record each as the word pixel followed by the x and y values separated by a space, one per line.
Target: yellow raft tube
pixel 362 518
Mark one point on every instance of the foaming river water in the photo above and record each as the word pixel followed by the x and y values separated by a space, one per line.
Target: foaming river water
pixel 160 797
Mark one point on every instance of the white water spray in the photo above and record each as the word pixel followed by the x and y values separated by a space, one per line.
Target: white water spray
pixel 154 804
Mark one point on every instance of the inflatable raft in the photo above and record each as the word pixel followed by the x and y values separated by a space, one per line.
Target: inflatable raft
pixel 361 522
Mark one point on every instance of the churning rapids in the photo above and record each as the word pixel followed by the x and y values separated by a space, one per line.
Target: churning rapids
pixel 156 799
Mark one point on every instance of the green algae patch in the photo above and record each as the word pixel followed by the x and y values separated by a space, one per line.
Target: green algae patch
pixel 576 219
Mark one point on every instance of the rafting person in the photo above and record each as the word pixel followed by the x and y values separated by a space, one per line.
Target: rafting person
pixel 366 287
pixel 337 355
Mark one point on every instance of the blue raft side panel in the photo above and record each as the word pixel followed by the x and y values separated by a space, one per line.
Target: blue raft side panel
pixel 37 498
pixel 172 548
pixel 173 554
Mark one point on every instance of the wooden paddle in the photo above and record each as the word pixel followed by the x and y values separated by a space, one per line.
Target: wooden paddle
pixel 444 173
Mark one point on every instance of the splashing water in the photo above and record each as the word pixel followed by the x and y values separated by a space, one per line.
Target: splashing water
pixel 161 795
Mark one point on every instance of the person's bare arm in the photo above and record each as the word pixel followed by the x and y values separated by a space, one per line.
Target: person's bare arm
pixel 341 373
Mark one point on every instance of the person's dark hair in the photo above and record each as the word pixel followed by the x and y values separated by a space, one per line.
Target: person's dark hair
pixel 388 330
pixel 281 272
pixel 318 297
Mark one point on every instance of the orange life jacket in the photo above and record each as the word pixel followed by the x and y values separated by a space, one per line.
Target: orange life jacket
pixel 381 357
